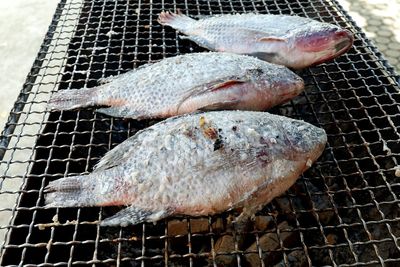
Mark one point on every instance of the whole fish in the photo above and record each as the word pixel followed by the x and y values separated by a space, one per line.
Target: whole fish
pixel 196 164
pixel 292 41
pixel 183 84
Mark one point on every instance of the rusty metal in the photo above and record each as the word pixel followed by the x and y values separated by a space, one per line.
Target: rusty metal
pixel 343 211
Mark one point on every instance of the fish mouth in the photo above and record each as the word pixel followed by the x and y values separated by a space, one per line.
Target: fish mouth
pixel 307 142
pixel 343 45
pixel 343 41
pixel 296 87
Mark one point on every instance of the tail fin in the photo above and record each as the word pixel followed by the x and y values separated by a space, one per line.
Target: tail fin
pixel 71 99
pixel 69 192
pixel 96 189
pixel 177 20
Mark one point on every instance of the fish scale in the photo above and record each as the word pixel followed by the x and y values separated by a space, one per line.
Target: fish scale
pixel 197 164
pixel 182 84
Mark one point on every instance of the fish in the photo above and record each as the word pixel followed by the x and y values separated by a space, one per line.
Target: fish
pixel 187 83
pixel 292 41
pixel 195 164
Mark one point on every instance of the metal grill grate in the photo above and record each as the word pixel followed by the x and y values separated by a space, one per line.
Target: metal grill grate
pixel 343 211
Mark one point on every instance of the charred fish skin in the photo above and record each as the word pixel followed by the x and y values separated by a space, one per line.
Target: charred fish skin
pixel 197 164
pixel 293 41
pixel 183 84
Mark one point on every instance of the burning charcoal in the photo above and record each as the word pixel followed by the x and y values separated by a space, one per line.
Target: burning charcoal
pixel 225 244
pixel 284 204
pixel 321 202
pixel 268 242
pixel 217 225
pixel 198 225
pixel 261 223
pixel 295 259
pixel 332 239
pixel 325 216
pixel 178 227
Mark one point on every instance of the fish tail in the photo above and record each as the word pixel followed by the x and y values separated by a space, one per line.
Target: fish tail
pixel 104 188
pixel 71 99
pixel 177 20
pixel 69 192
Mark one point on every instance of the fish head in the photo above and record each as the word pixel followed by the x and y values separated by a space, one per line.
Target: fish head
pixel 287 85
pixel 303 140
pixel 278 85
pixel 317 43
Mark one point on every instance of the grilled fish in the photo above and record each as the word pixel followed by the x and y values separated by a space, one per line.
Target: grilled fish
pixel 292 41
pixel 183 84
pixel 196 164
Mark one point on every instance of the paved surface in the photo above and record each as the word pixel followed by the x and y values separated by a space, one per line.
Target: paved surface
pixel 380 20
pixel 23 25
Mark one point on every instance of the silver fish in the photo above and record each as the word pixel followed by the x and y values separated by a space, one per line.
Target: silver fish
pixel 183 84
pixel 292 41
pixel 197 164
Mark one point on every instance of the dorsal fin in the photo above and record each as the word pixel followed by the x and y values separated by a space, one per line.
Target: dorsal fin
pixel 117 155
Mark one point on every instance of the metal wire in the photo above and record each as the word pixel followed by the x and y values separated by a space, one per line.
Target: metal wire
pixel 344 211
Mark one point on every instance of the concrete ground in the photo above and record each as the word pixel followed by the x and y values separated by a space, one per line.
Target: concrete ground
pixel 380 20
pixel 23 25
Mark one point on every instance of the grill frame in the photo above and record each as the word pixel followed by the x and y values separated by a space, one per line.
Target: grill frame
pixel 322 104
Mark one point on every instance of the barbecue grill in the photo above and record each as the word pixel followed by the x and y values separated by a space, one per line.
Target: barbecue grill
pixel 342 211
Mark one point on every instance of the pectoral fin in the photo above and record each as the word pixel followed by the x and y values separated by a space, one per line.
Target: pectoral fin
pixel 216 85
pixel 220 105
pixel 205 91
pixel 122 111
pixel 133 215
pixel 225 84
pixel 272 39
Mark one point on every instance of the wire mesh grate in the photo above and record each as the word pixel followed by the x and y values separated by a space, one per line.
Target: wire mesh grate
pixel 343 211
